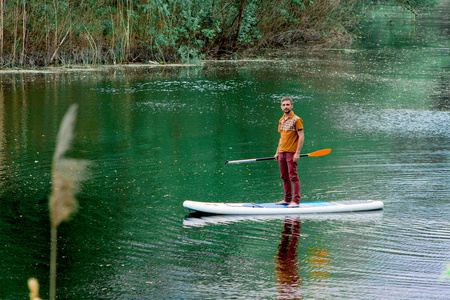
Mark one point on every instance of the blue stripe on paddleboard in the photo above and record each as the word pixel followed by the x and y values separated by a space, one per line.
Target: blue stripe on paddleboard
pixel 273 205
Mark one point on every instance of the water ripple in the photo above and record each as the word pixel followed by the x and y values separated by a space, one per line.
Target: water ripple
pixel 398 122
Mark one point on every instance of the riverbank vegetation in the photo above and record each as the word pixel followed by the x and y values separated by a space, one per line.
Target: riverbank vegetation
pixel 36 33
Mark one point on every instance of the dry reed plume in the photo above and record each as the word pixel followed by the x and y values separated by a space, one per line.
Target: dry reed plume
pixel 33 285
pixel 66 172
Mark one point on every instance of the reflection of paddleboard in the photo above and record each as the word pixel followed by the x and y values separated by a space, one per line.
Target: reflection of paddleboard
pixel 198 219
pixel 274 209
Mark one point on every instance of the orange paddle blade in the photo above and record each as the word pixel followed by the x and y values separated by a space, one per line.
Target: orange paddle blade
pixel 320 152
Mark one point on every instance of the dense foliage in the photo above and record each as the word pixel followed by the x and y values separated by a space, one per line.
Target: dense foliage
pixel 65 32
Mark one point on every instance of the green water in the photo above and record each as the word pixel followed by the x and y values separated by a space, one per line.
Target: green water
pixel 158 136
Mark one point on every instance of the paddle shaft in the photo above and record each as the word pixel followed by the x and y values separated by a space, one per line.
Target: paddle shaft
pixel 255 159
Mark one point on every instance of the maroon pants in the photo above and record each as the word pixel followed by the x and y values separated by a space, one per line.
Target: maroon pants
pixel 289 175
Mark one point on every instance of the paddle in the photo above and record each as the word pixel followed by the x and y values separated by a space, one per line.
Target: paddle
pixel 312 154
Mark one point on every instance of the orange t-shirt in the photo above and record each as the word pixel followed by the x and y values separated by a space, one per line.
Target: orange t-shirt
pixel 288 129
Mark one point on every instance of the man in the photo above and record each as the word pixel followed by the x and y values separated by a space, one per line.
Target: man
pixel 291 141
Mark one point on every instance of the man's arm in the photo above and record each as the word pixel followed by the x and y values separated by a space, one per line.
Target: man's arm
pixel 301 139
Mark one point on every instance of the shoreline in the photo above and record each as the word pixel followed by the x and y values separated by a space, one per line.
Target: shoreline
pixel 281 55
pixel 76 68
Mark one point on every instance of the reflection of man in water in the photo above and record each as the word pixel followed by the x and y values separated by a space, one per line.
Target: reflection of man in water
pixel 287 263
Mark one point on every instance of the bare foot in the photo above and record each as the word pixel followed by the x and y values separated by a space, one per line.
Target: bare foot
pixel 293 204
pixel 282 202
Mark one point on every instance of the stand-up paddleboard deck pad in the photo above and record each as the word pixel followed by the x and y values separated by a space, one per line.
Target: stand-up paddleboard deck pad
pixel 274 209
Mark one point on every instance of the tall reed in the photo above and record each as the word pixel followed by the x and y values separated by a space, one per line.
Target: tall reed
pixel 66 175
pixel 2 14
pixel 24 31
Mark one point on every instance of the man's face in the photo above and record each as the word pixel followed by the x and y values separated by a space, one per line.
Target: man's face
pixel 286 106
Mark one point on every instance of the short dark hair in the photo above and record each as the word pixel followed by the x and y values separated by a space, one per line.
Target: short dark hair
pixel 286 99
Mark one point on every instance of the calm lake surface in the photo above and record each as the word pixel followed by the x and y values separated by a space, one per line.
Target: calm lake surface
pixel 158 136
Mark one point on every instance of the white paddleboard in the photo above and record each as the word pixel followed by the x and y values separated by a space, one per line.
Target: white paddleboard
pixel 274 209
